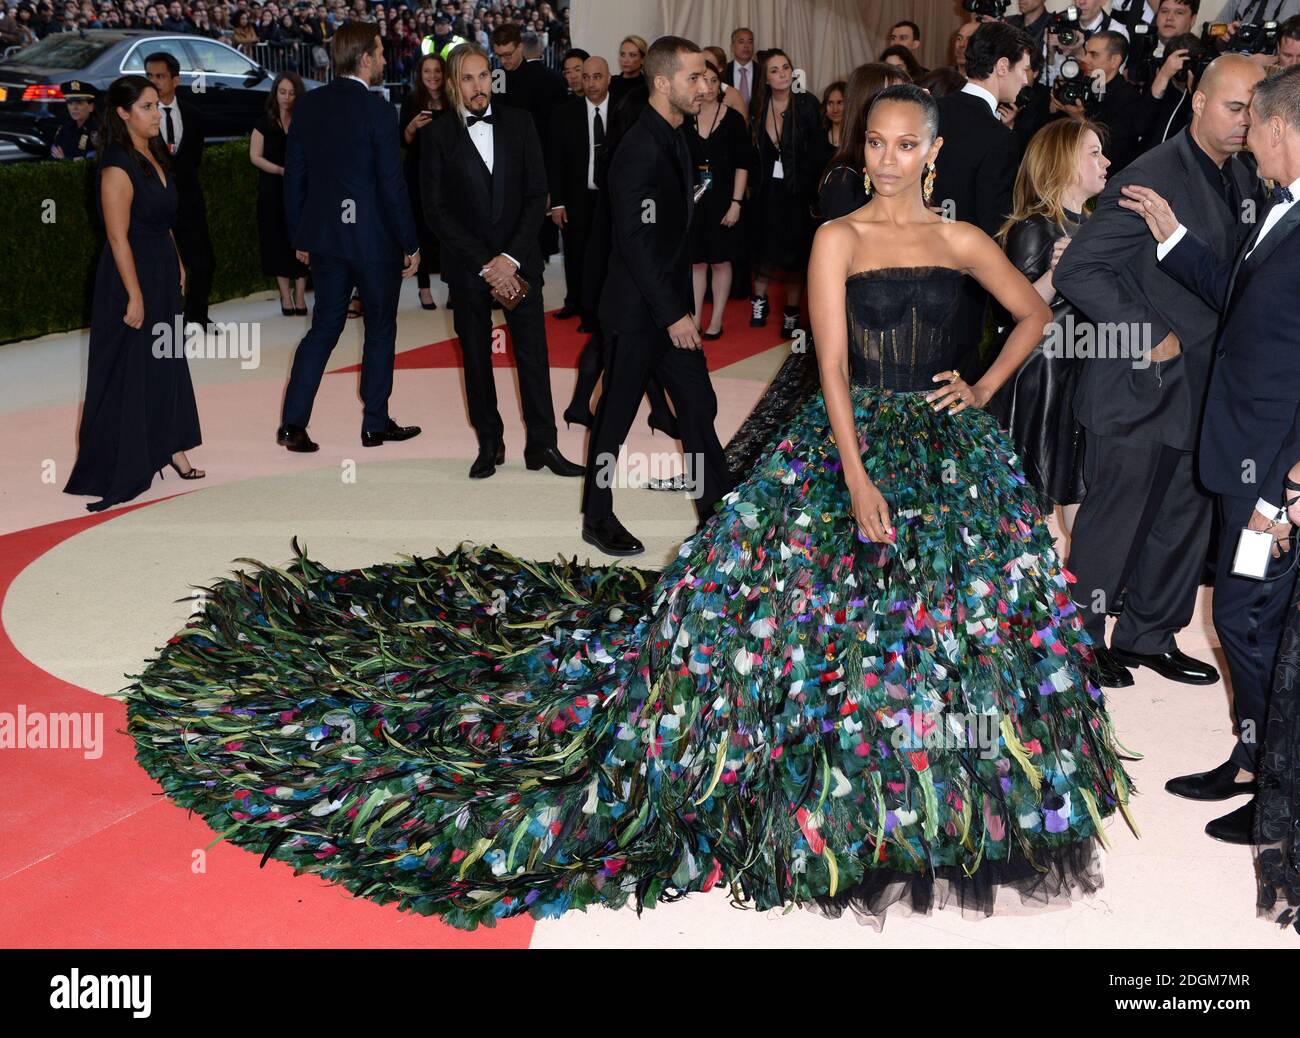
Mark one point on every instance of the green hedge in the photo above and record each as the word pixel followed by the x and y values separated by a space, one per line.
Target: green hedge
pixel 52 238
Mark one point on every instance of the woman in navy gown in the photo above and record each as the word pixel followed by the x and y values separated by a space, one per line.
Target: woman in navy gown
pixel 139 413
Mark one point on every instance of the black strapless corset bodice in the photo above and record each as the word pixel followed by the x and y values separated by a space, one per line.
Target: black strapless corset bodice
pixel 900 326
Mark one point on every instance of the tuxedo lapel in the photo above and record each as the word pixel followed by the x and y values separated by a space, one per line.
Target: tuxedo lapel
pixel 1284 227
pixel 502 156
pixel 1276 236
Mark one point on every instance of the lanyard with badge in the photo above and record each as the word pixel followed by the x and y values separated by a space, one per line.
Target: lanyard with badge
pixel 778 171
pixel 704 169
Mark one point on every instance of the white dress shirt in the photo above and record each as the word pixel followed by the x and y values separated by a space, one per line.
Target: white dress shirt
pixel 1262 506
pixel 592 109
pixel 975 90
pixel 481 134
pixel 178 124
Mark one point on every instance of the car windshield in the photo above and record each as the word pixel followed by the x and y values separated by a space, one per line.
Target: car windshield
pixel 64 50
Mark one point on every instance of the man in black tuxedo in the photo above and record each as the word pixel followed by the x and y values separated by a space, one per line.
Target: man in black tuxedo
pixel 647 303
pixel 483 183
pixel 977 165
pixel 1144 525
pixel 538 90
pixel 182 131
pixel 578 131
pixel 1250 436
pixel 349 216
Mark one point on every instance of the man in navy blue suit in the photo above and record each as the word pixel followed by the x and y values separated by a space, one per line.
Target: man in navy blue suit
pixel 349 216
pixel 1250 435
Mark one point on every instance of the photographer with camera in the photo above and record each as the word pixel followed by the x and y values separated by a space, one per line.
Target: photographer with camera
pixel 1069 30
pixel 1111 101
pixel 1167 102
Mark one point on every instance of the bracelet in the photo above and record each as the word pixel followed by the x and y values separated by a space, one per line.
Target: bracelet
pixel 1290 484
pixel 741 202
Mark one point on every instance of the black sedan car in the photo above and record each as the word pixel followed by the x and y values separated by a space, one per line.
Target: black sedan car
pixel 230 88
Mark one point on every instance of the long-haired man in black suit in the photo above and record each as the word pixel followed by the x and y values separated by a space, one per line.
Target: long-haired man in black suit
pixel 483 183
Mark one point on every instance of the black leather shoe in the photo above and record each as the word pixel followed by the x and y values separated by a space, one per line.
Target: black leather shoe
pixel 1174 665
pixel 296 439
pixel 1110 672
pixel 1219 784
pixel 611 537
pixel 487 461
pixel 393 432
pixel 551 458
pixel 565 312
pixel 1236 826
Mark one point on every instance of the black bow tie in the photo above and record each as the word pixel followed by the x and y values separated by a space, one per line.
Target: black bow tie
pixel 478 119
pixel 1281 194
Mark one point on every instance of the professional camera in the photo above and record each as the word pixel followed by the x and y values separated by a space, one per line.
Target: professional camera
pixel 1064 25
pixel 1254 38
pixel 1142 64
pixel 990 8
pixel 1074 86
pixel 1199 56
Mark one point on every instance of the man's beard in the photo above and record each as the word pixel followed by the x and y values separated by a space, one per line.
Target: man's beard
pixel 684 103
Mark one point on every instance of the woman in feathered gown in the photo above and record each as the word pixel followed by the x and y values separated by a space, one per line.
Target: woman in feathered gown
pixel 863 681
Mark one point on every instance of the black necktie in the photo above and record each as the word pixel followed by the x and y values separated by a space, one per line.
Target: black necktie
pixel 598 130
pixel 171 127
pixel 478 119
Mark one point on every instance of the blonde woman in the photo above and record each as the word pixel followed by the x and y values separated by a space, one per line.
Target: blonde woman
pixel 631 56
pixel 1063 167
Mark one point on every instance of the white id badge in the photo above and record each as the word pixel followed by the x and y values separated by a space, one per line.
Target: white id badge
pixel 1254 549
pixel 777 172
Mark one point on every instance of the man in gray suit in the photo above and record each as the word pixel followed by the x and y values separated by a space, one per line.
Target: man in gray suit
pixel 1144 525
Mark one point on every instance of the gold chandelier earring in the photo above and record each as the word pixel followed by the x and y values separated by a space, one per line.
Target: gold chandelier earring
pixel 928 187
pixel 866 182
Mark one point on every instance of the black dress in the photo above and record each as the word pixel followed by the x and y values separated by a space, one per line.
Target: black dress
pixel 278 259
pixel 139 408
pixel 783 225
pixel 1037 404
pixel 1277 805
pixel 726 149
pixel 429 255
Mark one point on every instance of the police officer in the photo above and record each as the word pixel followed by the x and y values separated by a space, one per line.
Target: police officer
pixel 78 137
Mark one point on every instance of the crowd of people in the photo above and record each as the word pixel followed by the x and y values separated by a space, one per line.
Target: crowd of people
pixel 940 245
pixel 406 28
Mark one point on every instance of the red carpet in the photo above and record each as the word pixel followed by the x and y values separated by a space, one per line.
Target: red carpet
pixel 565 342
pixel 105 861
